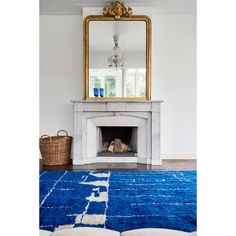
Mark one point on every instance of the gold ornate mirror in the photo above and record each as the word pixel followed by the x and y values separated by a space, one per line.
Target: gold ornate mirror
pixel 117 55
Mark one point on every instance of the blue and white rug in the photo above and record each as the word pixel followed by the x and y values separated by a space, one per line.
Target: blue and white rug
pixel 118 200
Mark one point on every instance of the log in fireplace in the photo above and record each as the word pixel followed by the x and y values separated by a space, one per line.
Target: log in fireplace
pixel 114 141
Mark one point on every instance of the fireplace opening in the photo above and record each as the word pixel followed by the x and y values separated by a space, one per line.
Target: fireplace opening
pixel 117 141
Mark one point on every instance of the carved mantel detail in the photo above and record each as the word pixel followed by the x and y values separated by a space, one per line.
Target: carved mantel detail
pixel 117 9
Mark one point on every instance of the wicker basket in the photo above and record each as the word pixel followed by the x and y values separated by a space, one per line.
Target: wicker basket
pixel 55 150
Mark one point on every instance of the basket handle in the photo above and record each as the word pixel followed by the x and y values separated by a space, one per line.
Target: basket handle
pixel 45 136
pixel 58 133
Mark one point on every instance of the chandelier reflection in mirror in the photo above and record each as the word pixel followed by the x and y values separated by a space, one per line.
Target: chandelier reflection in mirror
pixel 116 60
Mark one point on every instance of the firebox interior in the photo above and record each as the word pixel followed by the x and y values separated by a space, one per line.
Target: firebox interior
pixel 128 136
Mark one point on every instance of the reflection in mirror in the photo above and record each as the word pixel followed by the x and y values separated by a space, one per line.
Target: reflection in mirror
pixel 117 58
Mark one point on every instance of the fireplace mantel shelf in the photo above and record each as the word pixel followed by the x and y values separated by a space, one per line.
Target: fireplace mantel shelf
pixel 117 101
pixel 90 115
pixel 117 106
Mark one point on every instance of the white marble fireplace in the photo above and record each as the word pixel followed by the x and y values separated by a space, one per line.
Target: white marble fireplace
pixel 142 117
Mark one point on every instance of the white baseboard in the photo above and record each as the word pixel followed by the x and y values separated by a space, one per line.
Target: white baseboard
pixel 186 156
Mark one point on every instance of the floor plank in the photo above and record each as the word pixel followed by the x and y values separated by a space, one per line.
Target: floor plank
pixel 180 164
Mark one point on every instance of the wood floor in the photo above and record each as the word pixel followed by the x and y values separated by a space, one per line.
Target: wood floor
pixel 166 165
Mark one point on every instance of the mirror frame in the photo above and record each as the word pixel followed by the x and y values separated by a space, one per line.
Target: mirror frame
pixel 148 54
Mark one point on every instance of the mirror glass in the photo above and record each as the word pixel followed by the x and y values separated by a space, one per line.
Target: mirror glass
pixel 117 59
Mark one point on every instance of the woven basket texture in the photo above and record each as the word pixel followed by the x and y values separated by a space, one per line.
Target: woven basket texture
pixel 55 150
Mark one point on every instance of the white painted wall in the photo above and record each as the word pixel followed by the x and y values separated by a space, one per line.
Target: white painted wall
pixel 61 77
pixel 174 81
pixel 173 76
